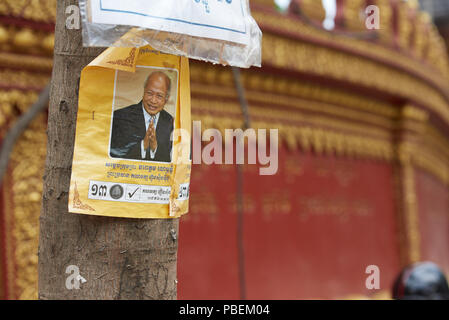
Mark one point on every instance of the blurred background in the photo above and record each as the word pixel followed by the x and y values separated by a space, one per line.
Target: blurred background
pixel 363 118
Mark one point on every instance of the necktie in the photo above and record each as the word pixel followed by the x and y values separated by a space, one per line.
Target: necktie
pixel 152 120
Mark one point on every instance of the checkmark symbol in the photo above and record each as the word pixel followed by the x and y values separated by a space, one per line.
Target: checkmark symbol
pixel 131 194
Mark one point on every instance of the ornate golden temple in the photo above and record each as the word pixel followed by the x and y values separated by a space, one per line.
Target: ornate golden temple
pixel 351 95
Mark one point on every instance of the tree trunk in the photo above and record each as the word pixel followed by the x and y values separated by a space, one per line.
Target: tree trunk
pixel 119 258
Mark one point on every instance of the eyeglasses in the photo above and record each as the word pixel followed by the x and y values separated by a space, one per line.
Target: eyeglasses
pixel 158 96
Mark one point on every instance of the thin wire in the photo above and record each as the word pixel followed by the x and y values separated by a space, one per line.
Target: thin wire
pixel 240 181
pixel 18 128
pixel 242 98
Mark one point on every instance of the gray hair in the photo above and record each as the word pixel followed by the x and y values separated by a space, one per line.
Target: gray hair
pixel 167 80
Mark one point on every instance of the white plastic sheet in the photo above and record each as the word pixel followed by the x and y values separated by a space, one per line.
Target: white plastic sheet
pixel 218 31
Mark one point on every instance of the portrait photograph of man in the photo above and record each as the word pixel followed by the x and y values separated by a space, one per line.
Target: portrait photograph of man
pixel 143 130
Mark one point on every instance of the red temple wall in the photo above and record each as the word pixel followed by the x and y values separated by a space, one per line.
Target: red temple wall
pixel 310 231
pixel 433 207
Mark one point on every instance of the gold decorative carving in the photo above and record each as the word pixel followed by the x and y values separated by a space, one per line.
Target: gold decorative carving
pixel 386 25
pixel 410 214
pixel 19 61
pixel 343 67
pixel 280 100
pixel 405 17
pixel 430 161
pixel 15 39
pixel 228 113
pixel 341 208
pixel 276 201
pixel 8 219
pixel 354 15
pixel 127 62
pixel 26 194
pixel 24 79
pixel 77 202
pixel 11 99
pixel 206 80
pixel 320 140
pixel 37 10
pixel 249 203
pixel 312 9
pixel 414 113
pixel 204 204
pixel 384 49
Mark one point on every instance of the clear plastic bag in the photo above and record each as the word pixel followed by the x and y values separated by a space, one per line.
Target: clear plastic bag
pixel 240 53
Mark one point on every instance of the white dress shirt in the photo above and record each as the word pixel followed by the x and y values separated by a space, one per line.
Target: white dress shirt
pixel 148 118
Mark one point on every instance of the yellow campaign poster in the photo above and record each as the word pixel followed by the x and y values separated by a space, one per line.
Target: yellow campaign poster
pixel 132 144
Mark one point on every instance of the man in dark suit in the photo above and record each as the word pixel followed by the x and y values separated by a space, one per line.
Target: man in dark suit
pixel 143 131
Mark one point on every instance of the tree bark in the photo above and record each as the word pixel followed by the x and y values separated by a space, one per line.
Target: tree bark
pixel 119 258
